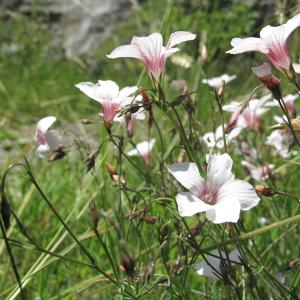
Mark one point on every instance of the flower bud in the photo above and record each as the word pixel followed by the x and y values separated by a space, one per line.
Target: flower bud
pixel 57 154
pixel 90 162
pixel 5 212
pixel 94 215
pixel 127 263
pixel 203 54
pixel 87 121
pixel 264 73
pixel 149 219
pixel 265 191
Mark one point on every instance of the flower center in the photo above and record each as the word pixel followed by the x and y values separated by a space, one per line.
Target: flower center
pixel 208 194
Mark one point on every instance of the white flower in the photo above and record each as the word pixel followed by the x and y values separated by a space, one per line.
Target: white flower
pixel 151 52
pixel 272 43
pixel 216 82
pixel 251 116
pixel 216 261
pixel 219 195
pixel 258 172
pixel 107 93
pixel 215 139
pixel 143 149
pixel 47 140
pixel 281 139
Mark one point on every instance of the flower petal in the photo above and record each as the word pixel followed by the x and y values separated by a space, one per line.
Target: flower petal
pixel 241 191
pixel 150 47
pixel 44 124
pixel 101 91
pixel 227 210
pixel 189 205
pixel 125 51
pixel 180 37
pixel 53 139
pixel 291 25
pixel 188 175
pixel 246 45
pixel 262 70
pixel 219 170
pixel 43 150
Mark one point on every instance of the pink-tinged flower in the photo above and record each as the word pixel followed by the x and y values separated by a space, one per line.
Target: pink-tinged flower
pixel 151 52
pixel 251 116
pixel 219 195
pixel 272 43
pixel 47 140
pixel 217 82
pixel 289 103
pixel 107 93
pixel 217 264
pixel 264 73
pixel 281 140
pixel 143 149
pixel 215 139
pixel 130 120
pixel 258 173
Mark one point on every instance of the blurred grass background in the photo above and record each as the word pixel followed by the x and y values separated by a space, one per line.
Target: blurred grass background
pixel 37 79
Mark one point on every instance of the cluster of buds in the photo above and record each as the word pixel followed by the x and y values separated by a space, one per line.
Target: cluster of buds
pixel 141 215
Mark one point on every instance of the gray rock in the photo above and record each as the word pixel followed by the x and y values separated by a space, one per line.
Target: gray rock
pixel 79 25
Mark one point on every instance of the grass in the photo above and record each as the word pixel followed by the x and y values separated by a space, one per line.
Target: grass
pixel 37 81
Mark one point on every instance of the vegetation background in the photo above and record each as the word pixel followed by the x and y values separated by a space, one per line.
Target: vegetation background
pixel 37 79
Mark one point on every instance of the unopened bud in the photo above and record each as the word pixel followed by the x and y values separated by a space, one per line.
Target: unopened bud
pixel 182 156
pixel 175 266
pixel 203 54
pixel 296 124
pixel 164 232
pixel 5 212
pixel 195 230
pixel 264 73
pixel 57 155
pixel 220 91
pixel 149 219
pixel 127 263
pixel 265 191
pixel 111 170
pixel 90 162
pixel 87 121
pixel 94 215
pixel 148 272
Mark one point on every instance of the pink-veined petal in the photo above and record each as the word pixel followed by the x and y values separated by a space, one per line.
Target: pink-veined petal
pixel 180 37
pixel 241 191
pixel 125 51
pixel 187 174
pixel 189 205
pixel 291 25
pixel 241 45
pixel 219 170
pixel 150 47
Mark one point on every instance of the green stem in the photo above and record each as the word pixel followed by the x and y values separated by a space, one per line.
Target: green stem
pixel 248 235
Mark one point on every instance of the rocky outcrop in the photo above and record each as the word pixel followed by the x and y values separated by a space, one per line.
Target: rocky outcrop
pixel 78 25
